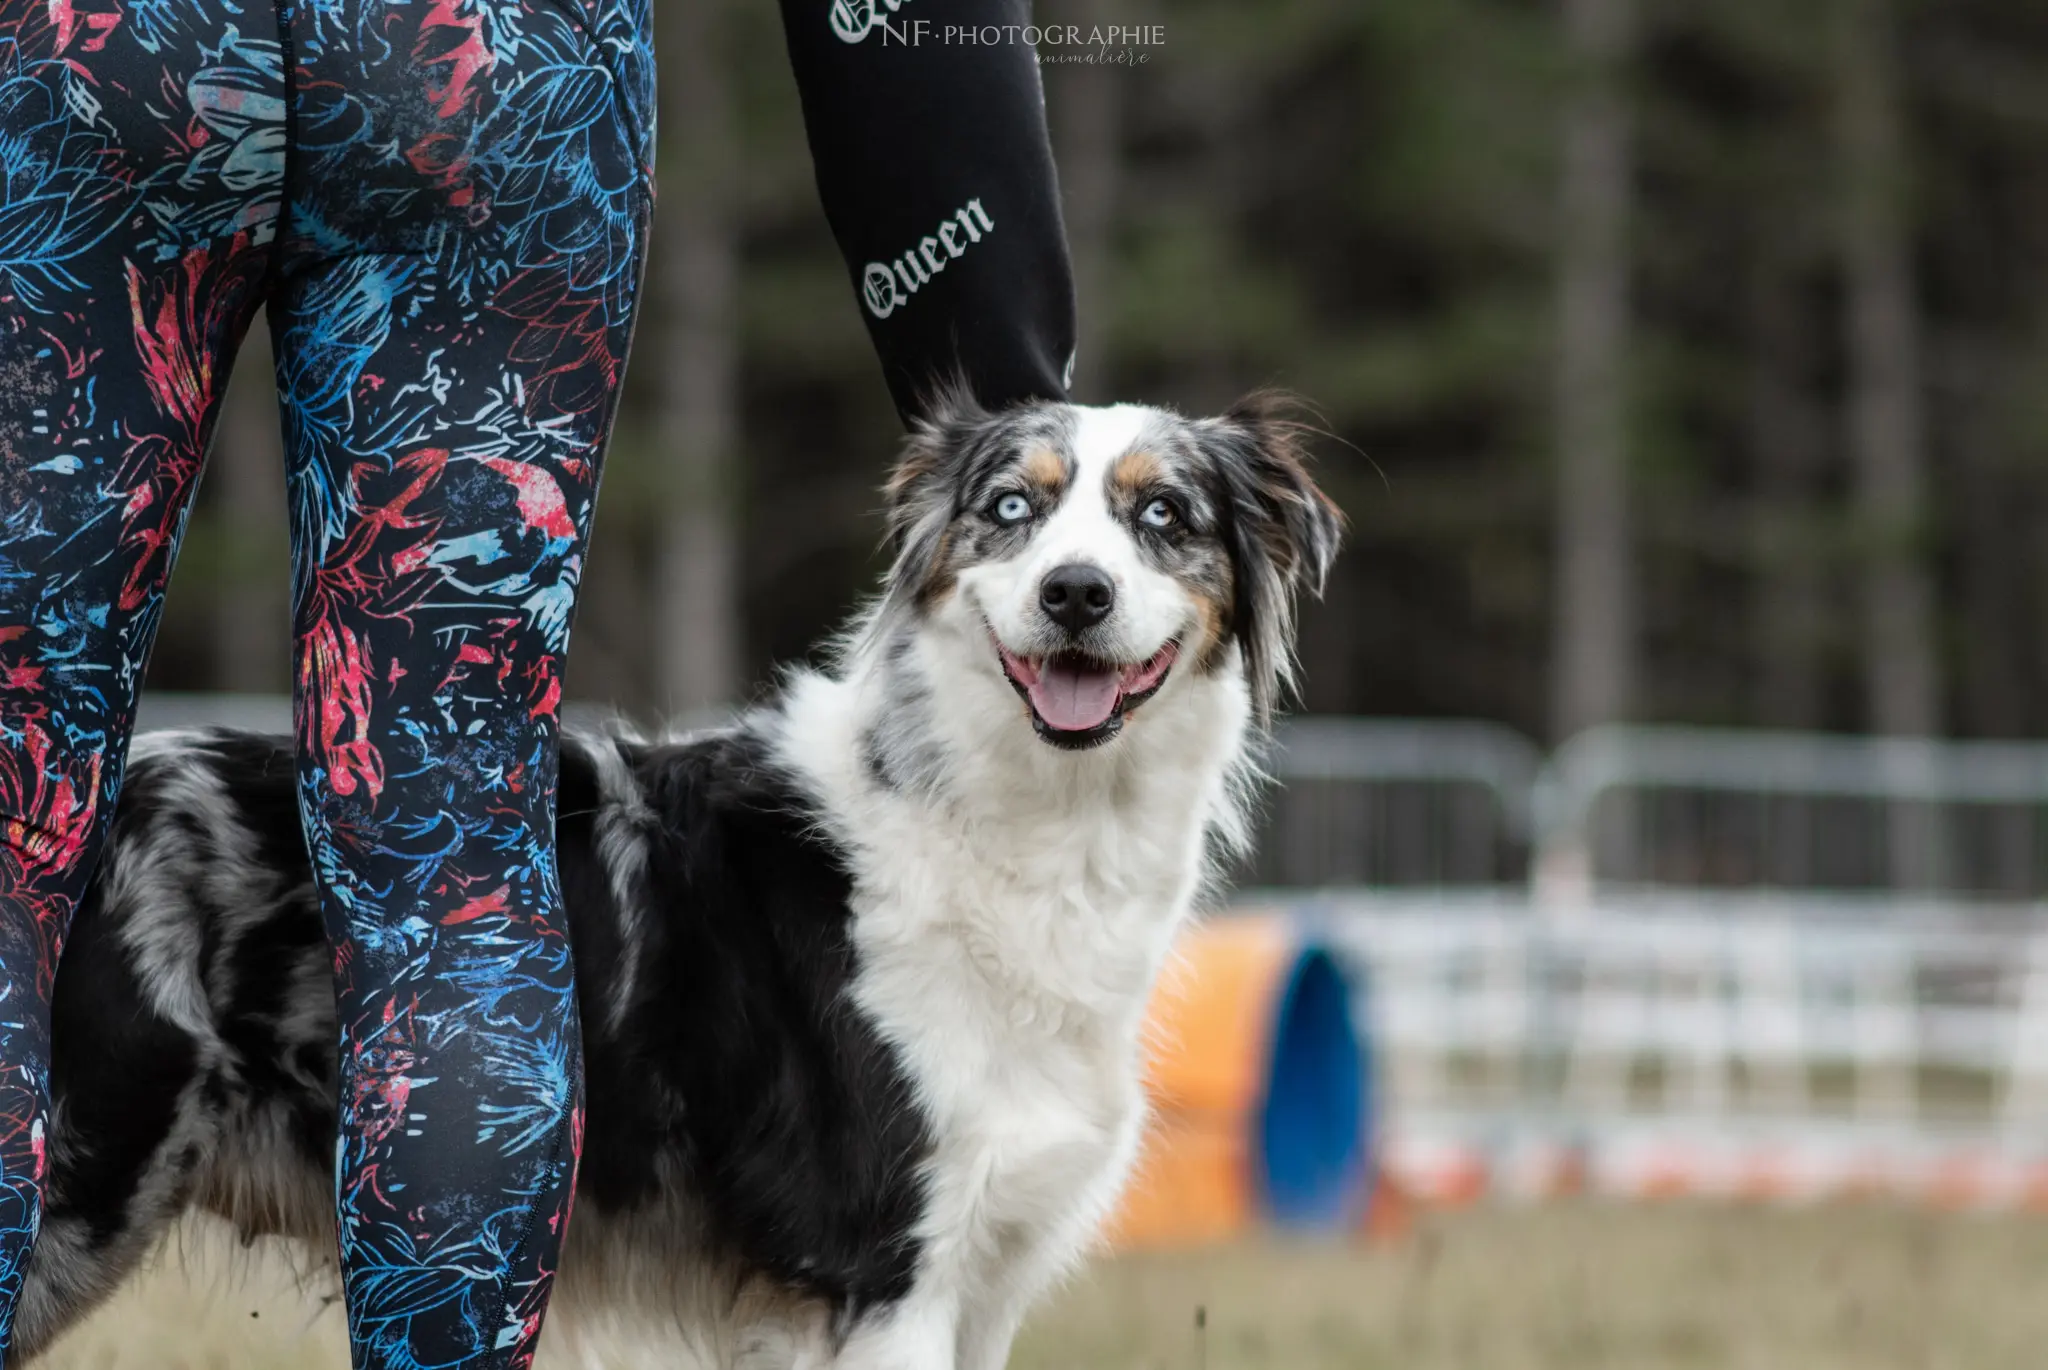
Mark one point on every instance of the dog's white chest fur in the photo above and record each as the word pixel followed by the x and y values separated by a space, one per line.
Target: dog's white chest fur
pixel 1008 939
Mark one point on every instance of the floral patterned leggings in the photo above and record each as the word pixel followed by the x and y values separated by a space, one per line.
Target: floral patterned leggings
pixel 444 205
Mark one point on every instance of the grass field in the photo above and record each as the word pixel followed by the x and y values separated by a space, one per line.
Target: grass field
pixel 1572 1287
pixel 1578 1287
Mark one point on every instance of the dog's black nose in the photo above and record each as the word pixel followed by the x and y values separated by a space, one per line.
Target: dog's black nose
pixel 1076 596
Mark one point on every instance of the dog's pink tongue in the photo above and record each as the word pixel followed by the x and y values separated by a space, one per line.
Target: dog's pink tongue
pixel 1072 699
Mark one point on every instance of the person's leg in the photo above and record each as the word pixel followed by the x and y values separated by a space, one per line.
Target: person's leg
pixel 138 191
pixel 467 218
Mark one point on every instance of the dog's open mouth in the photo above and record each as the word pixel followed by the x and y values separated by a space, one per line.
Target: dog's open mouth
pixel 1078 701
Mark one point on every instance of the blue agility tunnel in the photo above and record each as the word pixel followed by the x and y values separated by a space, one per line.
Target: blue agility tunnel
pixel 1262 1089
pixel 1311 1157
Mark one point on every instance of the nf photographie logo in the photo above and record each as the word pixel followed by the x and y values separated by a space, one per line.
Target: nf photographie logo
pixel 884 285
pixel 855 20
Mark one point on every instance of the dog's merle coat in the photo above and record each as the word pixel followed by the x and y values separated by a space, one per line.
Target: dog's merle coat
pixel 194 1003
pixel 861 976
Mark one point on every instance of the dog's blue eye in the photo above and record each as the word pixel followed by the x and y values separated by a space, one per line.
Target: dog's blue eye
pixel 1159 514
pixel 1012 509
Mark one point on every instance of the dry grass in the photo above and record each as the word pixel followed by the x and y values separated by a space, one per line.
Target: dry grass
pixel 207 1303
pixel 1578 1287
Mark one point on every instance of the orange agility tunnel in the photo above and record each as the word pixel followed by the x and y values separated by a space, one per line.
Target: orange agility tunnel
pixel 1260 1090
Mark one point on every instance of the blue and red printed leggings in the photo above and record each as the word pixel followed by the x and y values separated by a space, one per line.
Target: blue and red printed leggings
pixel 444 206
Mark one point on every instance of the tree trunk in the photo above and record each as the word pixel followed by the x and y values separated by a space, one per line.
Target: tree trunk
pixel 1594 643
pixel 1087 117
pixel 1886 426
pixel 1994 533
pixel 1886 423
pixel 1785 447
pixel 252 616
pixel 697 586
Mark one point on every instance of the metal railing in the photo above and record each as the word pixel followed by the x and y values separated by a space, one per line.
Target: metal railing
pixel 1872 1024
pixel 1379 803
pixel 1393 802
pixel 1709 807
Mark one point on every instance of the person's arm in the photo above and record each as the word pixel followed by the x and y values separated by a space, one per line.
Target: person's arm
pixel 937 177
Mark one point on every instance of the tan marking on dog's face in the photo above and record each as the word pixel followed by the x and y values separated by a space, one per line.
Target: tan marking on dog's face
pixel 1044 469
pixel 1135 473
pixel 1212 625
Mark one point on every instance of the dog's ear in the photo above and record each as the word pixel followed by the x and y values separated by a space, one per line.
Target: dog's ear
pixel 923 487
pixel 1283 534
pixel 920 485
pixel 1301 526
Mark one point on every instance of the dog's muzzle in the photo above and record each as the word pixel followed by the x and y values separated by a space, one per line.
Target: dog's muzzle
pixel 1078 701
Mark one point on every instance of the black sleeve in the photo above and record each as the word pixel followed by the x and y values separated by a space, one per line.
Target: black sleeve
pixel 927 129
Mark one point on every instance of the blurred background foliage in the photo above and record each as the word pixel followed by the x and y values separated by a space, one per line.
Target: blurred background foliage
pixel 1681 362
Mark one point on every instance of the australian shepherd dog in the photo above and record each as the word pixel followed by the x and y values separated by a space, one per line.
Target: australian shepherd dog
pixel 862 975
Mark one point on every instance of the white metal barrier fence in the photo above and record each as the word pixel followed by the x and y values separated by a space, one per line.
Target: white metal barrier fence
pixel 1397 802
pixel 1716 807
pixel 1876 1041
pixel 1402 803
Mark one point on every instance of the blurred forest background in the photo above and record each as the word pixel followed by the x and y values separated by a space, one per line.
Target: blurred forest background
pixel 1686 361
